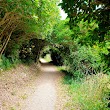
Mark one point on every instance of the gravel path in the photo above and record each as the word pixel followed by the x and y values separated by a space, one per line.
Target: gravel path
pixel 45 94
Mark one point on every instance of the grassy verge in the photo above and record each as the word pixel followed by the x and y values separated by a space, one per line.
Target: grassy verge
pixel 5 63
pixel 90 93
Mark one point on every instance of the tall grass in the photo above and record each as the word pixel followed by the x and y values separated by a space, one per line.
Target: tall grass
pixel 91 93
pixel 6 63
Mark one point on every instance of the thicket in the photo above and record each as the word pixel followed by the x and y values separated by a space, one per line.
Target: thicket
pixel 86 63
pixel 83 40
pixel 24 26
pixel 84 37
pixel 80 54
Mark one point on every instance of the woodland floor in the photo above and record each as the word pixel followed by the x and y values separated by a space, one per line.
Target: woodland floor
pixel 32 88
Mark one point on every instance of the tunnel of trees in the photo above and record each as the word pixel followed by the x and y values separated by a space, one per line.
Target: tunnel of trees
pixel 81 42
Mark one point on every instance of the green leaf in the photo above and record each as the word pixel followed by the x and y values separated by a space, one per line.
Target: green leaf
pixel 9 0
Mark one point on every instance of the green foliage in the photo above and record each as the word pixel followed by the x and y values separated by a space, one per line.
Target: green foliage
pixel 61 33
pixel 48 16
pixel 90 93
pixel 81 51
pixel 88 10
pixel 12 51
pixel 84 32
pixel 87 52
pixel 56 57
pixel 26 10
pixel 33 19
pixel 5 63
pixel 83 47
pixel 85 60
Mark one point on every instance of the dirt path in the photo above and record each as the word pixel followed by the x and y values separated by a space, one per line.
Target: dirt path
pixel 45 94
pixel 32 88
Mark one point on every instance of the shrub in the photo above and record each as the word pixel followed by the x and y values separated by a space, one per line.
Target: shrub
pixel 5 63
pixel 83 60
pixel 56 56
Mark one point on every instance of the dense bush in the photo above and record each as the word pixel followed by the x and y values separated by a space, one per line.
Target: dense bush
pixel 30 51
pixel 82 54
pixel 7 63
pixel 21 21
pixel 85 60
pixel 56 58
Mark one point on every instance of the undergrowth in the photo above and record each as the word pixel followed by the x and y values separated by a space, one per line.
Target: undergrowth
pixel 90 93
pixel 6 63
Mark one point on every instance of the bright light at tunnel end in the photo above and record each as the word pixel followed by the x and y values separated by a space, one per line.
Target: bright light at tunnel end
pixel 62 13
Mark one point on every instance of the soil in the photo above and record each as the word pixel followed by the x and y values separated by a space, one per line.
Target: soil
pixel 32 88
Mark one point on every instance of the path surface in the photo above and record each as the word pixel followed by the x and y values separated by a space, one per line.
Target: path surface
pixel 45 94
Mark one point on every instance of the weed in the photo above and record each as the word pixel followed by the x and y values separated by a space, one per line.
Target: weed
pixel 12 108
pixel 24 96
pixel 6 63
pixel 90 93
